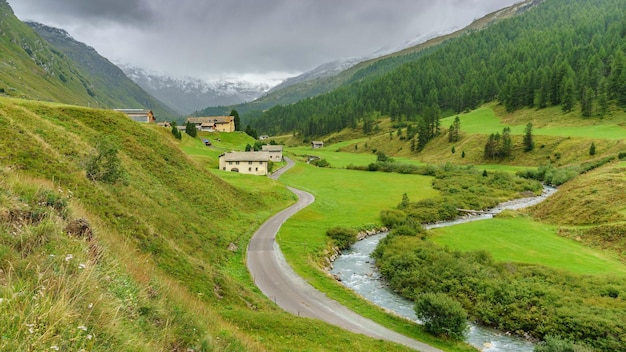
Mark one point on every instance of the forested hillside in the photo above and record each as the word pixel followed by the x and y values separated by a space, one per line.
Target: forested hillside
pixel 562 52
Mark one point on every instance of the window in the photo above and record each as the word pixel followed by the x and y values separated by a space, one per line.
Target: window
pixel 249 162
pixel 256 169
pixel 260 163
pixel 224 168
pixel 236 163
pixel 230 163
pixel 250 169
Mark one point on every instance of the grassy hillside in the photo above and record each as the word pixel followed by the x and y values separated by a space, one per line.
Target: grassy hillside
pixel 106 77
pixel 153 262
pixel 31 68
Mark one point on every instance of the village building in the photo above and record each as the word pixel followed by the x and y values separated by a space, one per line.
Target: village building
pixel 139 115
pixel 214 123
pixel 263 137
pixel 253 163
pixel 317 144
pixel 276 152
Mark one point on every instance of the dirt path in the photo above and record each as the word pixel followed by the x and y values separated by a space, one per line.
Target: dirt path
pixel 281 284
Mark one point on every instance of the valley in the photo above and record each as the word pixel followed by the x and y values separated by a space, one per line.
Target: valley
pixel 128 236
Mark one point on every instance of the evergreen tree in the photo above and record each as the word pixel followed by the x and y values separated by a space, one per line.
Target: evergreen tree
pixel 603 98
pixel 236 119
pixel 568 95
pixel 251 132
pixel 592 149
pixel 586 103
pixel 506 147
pixel 491 147
pixel 191 129
pixel 176 132
pixel 529 144
pixel 454 131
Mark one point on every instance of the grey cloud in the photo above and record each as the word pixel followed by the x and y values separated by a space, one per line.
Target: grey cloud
pixel 227 37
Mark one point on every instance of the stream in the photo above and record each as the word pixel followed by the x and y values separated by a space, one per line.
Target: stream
pixel 357 271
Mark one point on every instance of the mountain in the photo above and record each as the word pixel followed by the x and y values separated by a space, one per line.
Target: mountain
pixel 188 94
pixel 328 69
pixel 541 57
pixel 313 83
pixel 104 75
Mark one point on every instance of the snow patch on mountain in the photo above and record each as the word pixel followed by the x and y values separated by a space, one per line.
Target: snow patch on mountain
pixel 189 94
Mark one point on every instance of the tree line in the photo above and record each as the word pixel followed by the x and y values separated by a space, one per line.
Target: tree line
pixel 567 53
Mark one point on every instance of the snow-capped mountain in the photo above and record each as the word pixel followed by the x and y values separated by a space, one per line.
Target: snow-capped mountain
pixel 188 94
pixel 328 69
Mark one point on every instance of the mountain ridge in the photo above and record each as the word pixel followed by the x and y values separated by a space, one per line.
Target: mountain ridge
pixel 106 75
pixel 189 94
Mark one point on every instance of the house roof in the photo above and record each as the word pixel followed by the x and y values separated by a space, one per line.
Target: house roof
pixel 317 142
pixel 246 156
pixel 211 119
pixel 272 148
pixel 135 112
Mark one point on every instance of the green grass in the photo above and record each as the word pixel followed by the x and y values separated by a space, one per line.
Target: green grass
pixel 486 120
pixel 522 240
pixel 350 199
pixel 165 275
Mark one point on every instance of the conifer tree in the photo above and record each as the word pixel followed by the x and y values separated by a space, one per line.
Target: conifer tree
pixel 529 144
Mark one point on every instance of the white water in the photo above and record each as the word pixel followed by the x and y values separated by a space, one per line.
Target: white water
pixel 356 270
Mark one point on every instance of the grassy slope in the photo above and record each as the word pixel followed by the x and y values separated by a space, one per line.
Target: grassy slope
pixel 31 68
pixel 522 240
pixel 158 272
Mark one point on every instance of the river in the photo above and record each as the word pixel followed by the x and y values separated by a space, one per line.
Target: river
pixel 357 271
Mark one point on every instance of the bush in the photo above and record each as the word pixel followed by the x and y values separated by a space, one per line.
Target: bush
pixel 441 315
pixel 320 163
pixel 557 344
pixel 343 237
pixel 392 218
pixel 405 230
pixel 105 165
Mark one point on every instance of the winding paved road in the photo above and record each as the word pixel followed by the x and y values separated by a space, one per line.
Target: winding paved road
pixel 280 283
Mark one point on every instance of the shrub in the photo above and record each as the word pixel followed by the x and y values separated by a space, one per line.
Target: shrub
pixel 320 163
pixel 343 237
pixel 392 218
pixel 557 344
pixel 105 165
pixel 441 315
pixel 405 230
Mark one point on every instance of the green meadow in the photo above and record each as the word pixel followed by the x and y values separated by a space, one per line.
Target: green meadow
pixel 523 240
pixel 486 120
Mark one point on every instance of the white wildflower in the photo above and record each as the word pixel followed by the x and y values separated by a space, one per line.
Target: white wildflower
pixel 83 328
pixel 54 347
pixel 82 266
pixel 90 305
pixel 89 337
pixel 69 257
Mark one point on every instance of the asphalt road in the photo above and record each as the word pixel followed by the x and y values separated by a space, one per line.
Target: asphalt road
pixel 281 284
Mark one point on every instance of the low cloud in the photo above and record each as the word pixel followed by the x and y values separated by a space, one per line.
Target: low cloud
pixel 237 37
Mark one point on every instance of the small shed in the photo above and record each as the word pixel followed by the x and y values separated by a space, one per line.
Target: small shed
pixel 317 144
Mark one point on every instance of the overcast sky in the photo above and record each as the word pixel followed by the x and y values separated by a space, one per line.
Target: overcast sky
pixel 255 40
